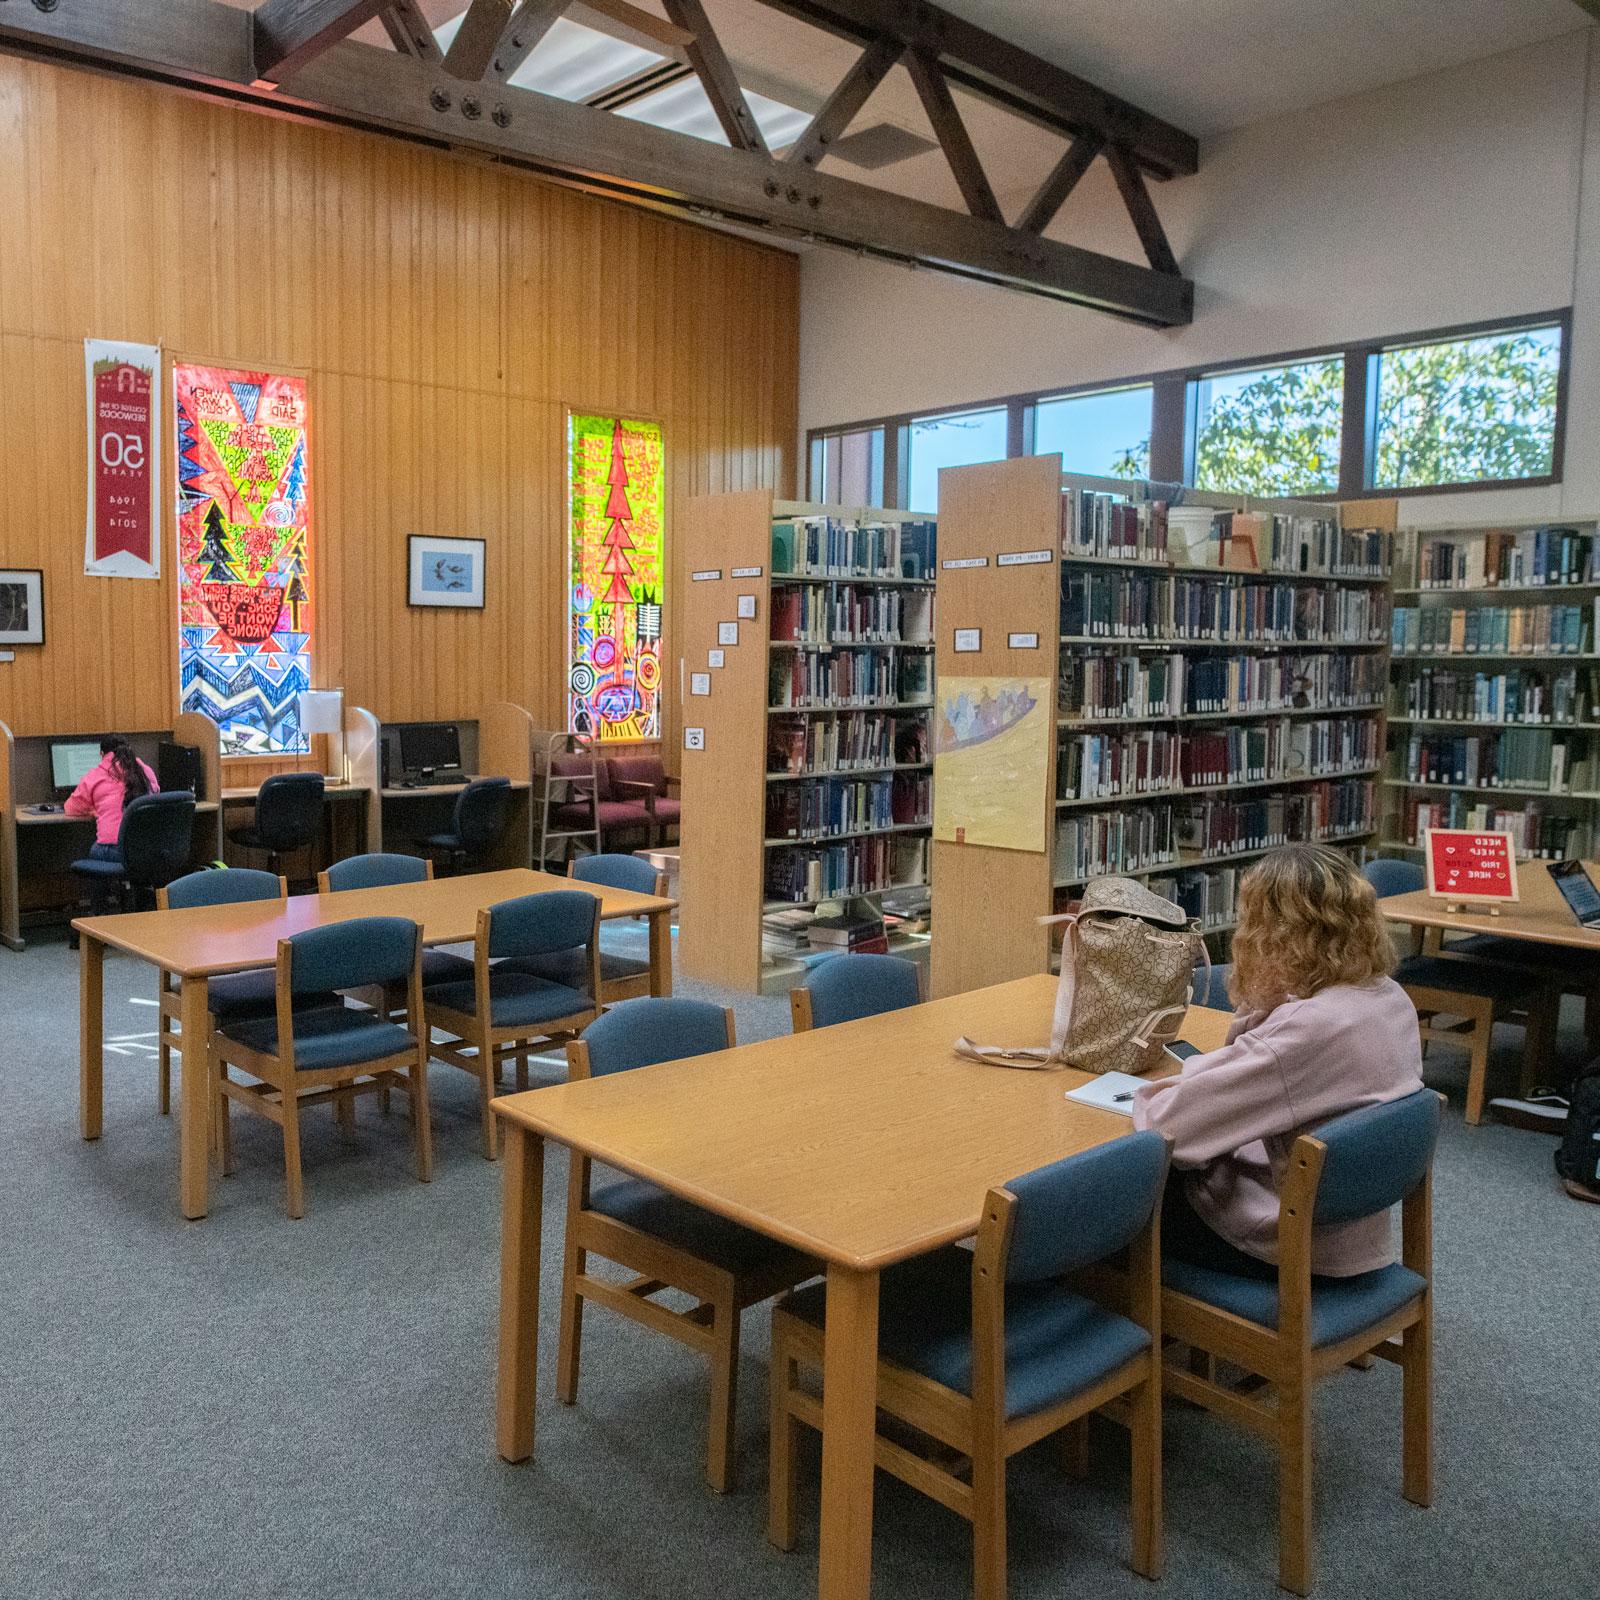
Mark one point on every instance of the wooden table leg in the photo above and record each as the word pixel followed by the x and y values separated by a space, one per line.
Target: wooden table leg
pixel 849 1424
pixel 91 1035
pixel 521 1219
pixel 195 1107
pixel 661 952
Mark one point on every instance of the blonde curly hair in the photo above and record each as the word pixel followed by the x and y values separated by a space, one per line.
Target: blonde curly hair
pixel 1307 920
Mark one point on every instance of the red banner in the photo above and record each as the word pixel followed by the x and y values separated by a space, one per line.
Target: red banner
pixel 123 539
pixel 1467 865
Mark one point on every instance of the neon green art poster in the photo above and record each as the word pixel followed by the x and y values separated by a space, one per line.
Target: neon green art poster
pixel 616 509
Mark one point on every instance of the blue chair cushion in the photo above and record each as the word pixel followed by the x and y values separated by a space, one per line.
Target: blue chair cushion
pixel 1463 977
pixel 1339 1306
pixel 443 841
pixel 439 966
pixel 679 1222
pixel 99 869
pixel 516 999
pixel 336 1036
pixel 254 994
pixel 571 967
pixel 1057 1343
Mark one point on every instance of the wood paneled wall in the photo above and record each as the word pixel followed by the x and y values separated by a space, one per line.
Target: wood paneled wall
pixel 446 313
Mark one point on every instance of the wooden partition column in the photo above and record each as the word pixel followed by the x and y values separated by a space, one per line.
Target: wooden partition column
pixel 191 728
pixel 505 750
pixel 10 899
pixel 987 901
pixel 363 744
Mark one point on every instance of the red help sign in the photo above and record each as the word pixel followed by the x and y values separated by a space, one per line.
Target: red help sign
pixel 1466 865
pixel 122 464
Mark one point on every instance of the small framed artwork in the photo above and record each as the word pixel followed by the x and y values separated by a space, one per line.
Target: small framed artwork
pixel 445 572
pixel 21 605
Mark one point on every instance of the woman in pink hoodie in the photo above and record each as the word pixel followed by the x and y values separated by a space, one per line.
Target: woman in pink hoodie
pixel 1321 1029
pixel 104 794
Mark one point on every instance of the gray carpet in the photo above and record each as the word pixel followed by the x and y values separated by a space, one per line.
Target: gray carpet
pixel 255 1406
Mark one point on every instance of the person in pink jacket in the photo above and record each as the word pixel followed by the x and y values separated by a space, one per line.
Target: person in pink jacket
pixel 1321 1029
pixel 105 793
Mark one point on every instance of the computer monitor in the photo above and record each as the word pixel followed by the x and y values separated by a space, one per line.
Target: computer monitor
pixel 71 760
pixel 430 747
pixel 178 767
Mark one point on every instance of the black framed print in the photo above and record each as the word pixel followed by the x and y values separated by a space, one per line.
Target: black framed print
pixel 445 572
pixel 21 605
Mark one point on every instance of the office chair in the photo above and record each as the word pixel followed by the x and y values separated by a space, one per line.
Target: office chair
pixel 668 1242
pixel 847 988
pixel 482 810
pixel 154 840
pixel 288 816
pixel 984 1352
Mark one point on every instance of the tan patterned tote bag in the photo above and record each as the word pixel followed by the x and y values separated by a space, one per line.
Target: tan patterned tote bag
pixel 1127 976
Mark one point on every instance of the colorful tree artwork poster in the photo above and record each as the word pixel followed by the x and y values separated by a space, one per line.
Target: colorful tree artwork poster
pixel 244 531
pixel 616 508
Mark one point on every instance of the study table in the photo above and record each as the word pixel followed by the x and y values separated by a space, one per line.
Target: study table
pixel 203 942
pixel 862 1144
pixel 1541 916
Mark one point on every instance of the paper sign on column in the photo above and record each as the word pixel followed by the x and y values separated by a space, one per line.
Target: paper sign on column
pixel 727 633
pixel 699 683
pixel 694 738
pixel 714 658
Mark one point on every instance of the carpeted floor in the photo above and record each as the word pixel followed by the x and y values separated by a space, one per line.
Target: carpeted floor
pixel 254 1406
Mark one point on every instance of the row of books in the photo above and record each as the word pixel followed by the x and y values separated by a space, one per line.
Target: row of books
pixel 1289 541
pixel 1538 832
pixel 845 613
pixel 837 548
pixel 1518 758
pixel 1138 837
pixel 1101 766
pixel 1111 527
pixel 1207 895
pixel 798 873
pixel 1493 630
pixel 837 744
pixel 1094 685
pixel 848 677
pixel 1527 694
pixel 820 807
pixel 1127 605
pixel 1531 556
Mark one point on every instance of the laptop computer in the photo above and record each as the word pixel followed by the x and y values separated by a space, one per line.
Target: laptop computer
pixel 1578 890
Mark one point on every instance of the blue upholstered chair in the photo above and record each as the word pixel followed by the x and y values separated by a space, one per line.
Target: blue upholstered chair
pixel 1215 991
pixel 668 1242
pixel 622 977
pixel 500 1012
pixel 987 1352
pixel 381 871
pixel 242 994
pixel 483 808
pixel 847 988
pixel 1294 1328
pixel 1471 995
pixel 333 1052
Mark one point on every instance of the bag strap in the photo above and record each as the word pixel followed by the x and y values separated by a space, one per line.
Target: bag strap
pixel 1066 990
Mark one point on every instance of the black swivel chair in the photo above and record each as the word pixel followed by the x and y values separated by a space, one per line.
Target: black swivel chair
pixel 482 810
pixel 155 837
pixel 288 816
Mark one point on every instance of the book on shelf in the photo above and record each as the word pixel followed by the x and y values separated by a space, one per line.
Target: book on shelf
pixel 1515 757
pixel 1095 685
pixel 1537 831
pixel 833 547
pixel 848 676
pixel 1539 628
pixel 1523 558
pixel 856 739
pixel 858 928
pixel 819 807
pixel 800 873
pixel 846 613
pixel 1521 694
pixel 1207 895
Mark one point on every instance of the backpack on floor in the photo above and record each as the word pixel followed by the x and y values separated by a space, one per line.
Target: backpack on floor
pixel 1127 975
pixel 1578 1158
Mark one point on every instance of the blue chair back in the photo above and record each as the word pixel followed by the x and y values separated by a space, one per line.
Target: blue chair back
pixel 232 887
pixel 1376 1156
pixel 640 1033
pixel 352 955
pixel 154 838
pixel 375 871
pixel 289 810
pixel 1084 1208
pixel 481 812
pixel 1389 876
pixel 542 924
pixel 846 988
pixel 616 872
pixel 1215 992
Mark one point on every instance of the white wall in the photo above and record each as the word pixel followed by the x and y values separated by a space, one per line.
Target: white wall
pixel 1452 198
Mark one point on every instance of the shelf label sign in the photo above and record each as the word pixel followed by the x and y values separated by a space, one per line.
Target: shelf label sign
pixel 1464 864
pixel 1021 558
pixel 961 564
pixel 708 575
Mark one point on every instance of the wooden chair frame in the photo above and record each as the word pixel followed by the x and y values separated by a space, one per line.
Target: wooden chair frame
pixel 711 1327
pixel 480 1048
pixel 614 989
pixel 1283 1362
pixel 169 1016
pixel 283 1089
pixel 973 1430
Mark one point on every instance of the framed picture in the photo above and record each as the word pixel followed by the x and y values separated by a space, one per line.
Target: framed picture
pixel 21 605
pixel 445 572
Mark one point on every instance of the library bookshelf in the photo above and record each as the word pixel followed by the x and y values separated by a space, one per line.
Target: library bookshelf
pixel 1203 712
pixel 1494 701
pixel 806 692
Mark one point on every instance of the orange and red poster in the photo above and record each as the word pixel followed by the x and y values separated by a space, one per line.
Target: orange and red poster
pixel 244 554
pixel 616 508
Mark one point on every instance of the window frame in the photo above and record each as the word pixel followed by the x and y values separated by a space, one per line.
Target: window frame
pixel 1172 410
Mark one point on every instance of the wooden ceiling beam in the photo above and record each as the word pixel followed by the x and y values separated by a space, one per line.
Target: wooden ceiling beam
pixel 478 36
pixel 716 75
pixel 843 105
pixel 952 135
pixel 410 32
pixel 521 36
pixel 1063 179
pixel 1130 184
pixel 289 33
